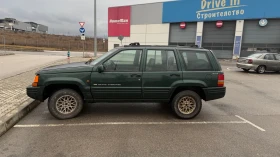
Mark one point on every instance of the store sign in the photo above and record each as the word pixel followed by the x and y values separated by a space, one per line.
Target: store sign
pixel 182 25
pixel 219 24
pixel 214 10
pixel 263 22
pixel 119 21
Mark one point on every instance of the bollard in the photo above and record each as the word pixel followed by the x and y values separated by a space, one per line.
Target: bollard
pixel 68 56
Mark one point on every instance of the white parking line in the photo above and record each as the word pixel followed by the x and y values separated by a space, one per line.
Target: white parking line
pixel 127 123
pixel 254 125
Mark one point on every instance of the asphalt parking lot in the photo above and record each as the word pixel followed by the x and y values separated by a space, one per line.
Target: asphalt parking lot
pixel 244 123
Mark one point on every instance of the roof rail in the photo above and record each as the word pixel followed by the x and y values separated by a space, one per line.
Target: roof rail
pixel 137 44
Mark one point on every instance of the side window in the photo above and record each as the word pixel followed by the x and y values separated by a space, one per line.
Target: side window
pixel 161 60
pixel 269 57
pixel 277 57
pixel 196 61
pixel 127 60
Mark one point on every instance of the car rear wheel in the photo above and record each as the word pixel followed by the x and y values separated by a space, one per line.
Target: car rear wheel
pixel 261 69
pixel 186 104
pixel 65 104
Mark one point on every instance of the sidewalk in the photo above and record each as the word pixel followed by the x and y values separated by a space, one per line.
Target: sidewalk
pixel 6 53
pixel 14 103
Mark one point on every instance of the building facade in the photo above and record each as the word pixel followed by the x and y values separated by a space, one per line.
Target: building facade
pixel 231 28
pixel 15 25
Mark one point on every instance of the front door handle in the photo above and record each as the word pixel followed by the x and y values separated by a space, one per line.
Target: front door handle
pixel 178 75
pixel 135 75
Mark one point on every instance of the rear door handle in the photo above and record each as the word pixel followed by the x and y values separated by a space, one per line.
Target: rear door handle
pixel 135 75
pixel 178 75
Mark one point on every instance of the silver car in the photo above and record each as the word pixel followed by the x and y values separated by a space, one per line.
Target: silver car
pixel 260 62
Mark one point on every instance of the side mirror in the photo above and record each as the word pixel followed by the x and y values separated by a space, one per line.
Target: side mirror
pixel 100 68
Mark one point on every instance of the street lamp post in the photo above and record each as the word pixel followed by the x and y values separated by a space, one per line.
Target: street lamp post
pixel 95 36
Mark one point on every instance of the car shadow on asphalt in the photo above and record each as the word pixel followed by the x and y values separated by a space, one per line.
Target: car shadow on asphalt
pixel 253 72
pixel 127 109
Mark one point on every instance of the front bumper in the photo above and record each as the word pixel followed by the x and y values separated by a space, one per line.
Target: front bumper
pixel 246 66
pixel 35 93
pixel 214 93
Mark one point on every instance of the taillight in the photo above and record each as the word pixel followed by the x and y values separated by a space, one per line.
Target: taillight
pixel 221 80
pixel 36 80
pixel 250 61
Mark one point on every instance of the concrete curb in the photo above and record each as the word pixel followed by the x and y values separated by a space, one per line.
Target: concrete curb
pixel 6 54
pixel 9 120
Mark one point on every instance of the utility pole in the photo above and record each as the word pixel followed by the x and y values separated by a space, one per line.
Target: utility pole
pixel 95 25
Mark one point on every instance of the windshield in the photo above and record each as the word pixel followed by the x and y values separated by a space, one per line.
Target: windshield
pixel 256 55
pixel 103 56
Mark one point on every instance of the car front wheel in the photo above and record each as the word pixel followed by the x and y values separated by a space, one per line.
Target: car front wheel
pixel 65 104
pixel 187 104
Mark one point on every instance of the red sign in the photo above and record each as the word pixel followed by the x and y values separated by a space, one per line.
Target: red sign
pixel 219 24
pixel 119 21
pixel 182 25
pixel 82 24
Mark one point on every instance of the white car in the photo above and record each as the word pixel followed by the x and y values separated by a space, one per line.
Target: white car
pixel 260 62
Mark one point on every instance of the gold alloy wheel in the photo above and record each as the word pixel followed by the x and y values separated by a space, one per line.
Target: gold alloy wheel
pixel 186 105
pixel 66 104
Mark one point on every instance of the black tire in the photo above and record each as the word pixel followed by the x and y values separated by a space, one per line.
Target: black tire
pixel 246 70
pixel 76 97
pixel 261 69
pixel 179 96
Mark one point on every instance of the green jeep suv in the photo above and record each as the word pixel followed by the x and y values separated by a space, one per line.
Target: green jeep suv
pixel 176 75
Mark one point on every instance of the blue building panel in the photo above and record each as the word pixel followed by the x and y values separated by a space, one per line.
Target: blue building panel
pixel 213 10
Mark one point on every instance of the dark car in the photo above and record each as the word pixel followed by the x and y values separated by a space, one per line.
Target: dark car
pixel 260 62
pixel 176 75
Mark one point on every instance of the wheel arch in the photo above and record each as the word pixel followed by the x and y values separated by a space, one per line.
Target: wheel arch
pixel 53 87
pixel 196 89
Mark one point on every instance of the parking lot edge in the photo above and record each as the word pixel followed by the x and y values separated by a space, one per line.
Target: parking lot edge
pixel 9 120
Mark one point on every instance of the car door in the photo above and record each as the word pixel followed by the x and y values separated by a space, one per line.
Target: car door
pixel 160 73
pixel 277 57
pixel 270 62
pixel 198 68
pixel 121 78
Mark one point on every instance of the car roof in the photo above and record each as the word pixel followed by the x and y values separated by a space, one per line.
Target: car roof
pixel 265 53
pixel 137 45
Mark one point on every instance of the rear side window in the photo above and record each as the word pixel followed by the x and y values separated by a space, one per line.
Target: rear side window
pixel 269 57
pixel 277 57
pixel 161 60
pixel 196 60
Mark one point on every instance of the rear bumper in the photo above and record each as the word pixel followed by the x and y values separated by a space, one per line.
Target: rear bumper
pixel 35 93
pixel 214 93
pixel 246 66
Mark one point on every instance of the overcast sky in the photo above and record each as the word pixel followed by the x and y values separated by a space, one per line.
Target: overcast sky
pixel 63 16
